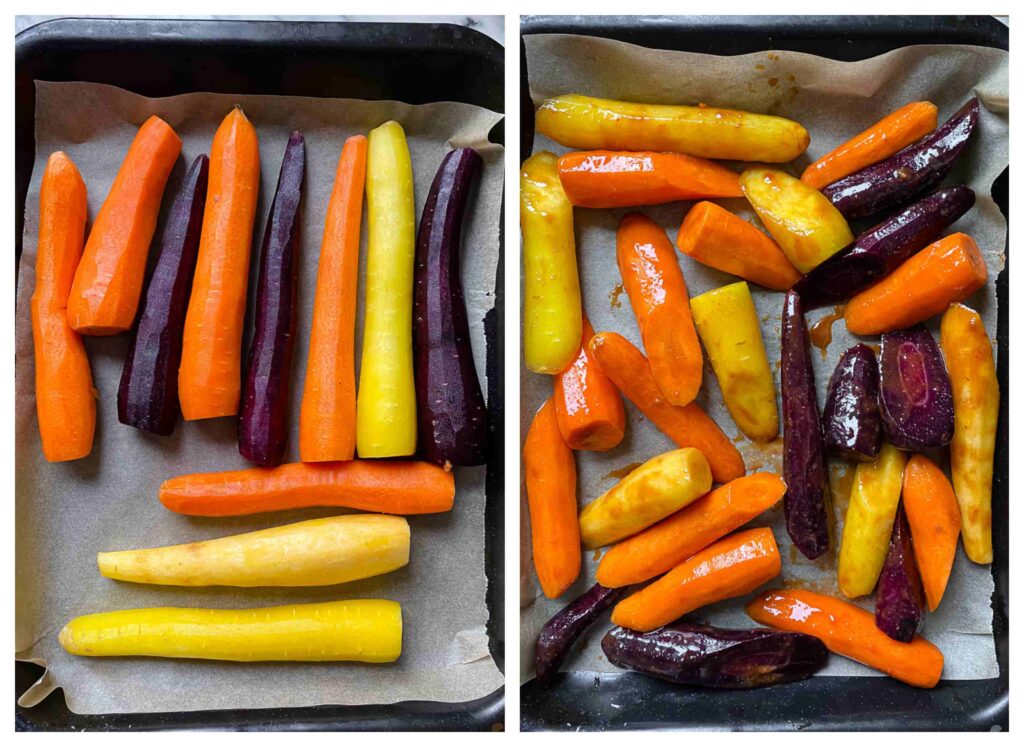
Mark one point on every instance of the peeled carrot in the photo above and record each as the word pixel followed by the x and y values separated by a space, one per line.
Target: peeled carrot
pixel 889 135
pixel 934 520
pixel 688 531
pixel 550 469
pixel 717 238
pixel 945 272
pixel 849 631
pixel 606 178
pixel 210 376
pixel 686 426
pixel 732 566
pixel 589 407
pixel 657 292
pixel 382 487
pixel 108 282
pixel 65 398
pixel 327 419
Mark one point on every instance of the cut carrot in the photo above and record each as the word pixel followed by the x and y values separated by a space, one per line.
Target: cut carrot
pixel 65 398
pixel 108 282
pixel 657 292
pixel 945 272
pixel 732 566
pixel 327 419
pixel 889 135
pixel 849 631
pixel 715 237
pixel 934 520
pixel 686 426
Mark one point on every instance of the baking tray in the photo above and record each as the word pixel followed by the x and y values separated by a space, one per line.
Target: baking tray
pixel 584 700
pixel 412 62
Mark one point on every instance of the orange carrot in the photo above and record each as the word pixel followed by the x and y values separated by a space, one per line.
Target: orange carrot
pixel 327 420
pixel 689 530
pixel 890 134
pixel 606 178
pixel 657 292
pixel 849 631
pixel 715 237
pixel 934 518
pixel 686 426
pixel 210 376
pixel 108 282
pixel 550 470
pixel 942 273
pixel 65 398
pixel 732 566
pixel 589 407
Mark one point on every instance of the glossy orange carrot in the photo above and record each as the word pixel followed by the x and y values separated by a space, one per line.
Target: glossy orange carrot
pixel 689 530
pixel 108 282
pixel 889 135
pixel 657 292
pixel 65 398
pixel 732 566
pixel 327 419
pixel 934 519
pixel 942 273
pixel 588 405
pixel 688 425
pixel 210 376
pixel 607 178
pixel 717 238
pixel 849 631
pixel 550 470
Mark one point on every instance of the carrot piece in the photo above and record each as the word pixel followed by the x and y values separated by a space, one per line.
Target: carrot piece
pixel 657 292
pixel 327 419
pixel 382 487
pixel 688 425
pixel 688 531
pixel 550 469
pixel 717 238
pixel 732 566
pixel 942 273
pixel 934 520
pixel 890 134
pixel 65 398
pixel 108 282
pixel 606 178
pixel 849 631
pixel 590 413
pixel 210 376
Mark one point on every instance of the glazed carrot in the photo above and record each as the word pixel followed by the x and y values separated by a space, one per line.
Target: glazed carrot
pixel 382 487
pixel 889 135
pixel 849 631
pixel 327 419
pixel 717 238
pixel 732 566
pixel 689 530
pixel 550 469
pixel 657 292
pixel 210 376
pixel 65 398
pixel 934 520
pixel 589 407
pixel 945 272
pixel 686 426
pixel 606 178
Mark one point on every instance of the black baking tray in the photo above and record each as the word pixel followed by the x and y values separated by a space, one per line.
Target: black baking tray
pixel 591 701
pixel 412 62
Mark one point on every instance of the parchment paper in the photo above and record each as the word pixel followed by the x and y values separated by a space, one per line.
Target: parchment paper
pixel 67 512
pixel 834 101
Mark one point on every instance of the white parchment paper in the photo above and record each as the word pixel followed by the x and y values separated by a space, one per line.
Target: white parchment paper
pixel 108 501
pixel 833 100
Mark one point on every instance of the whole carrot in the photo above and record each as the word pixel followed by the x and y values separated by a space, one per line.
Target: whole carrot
pixel 934 524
